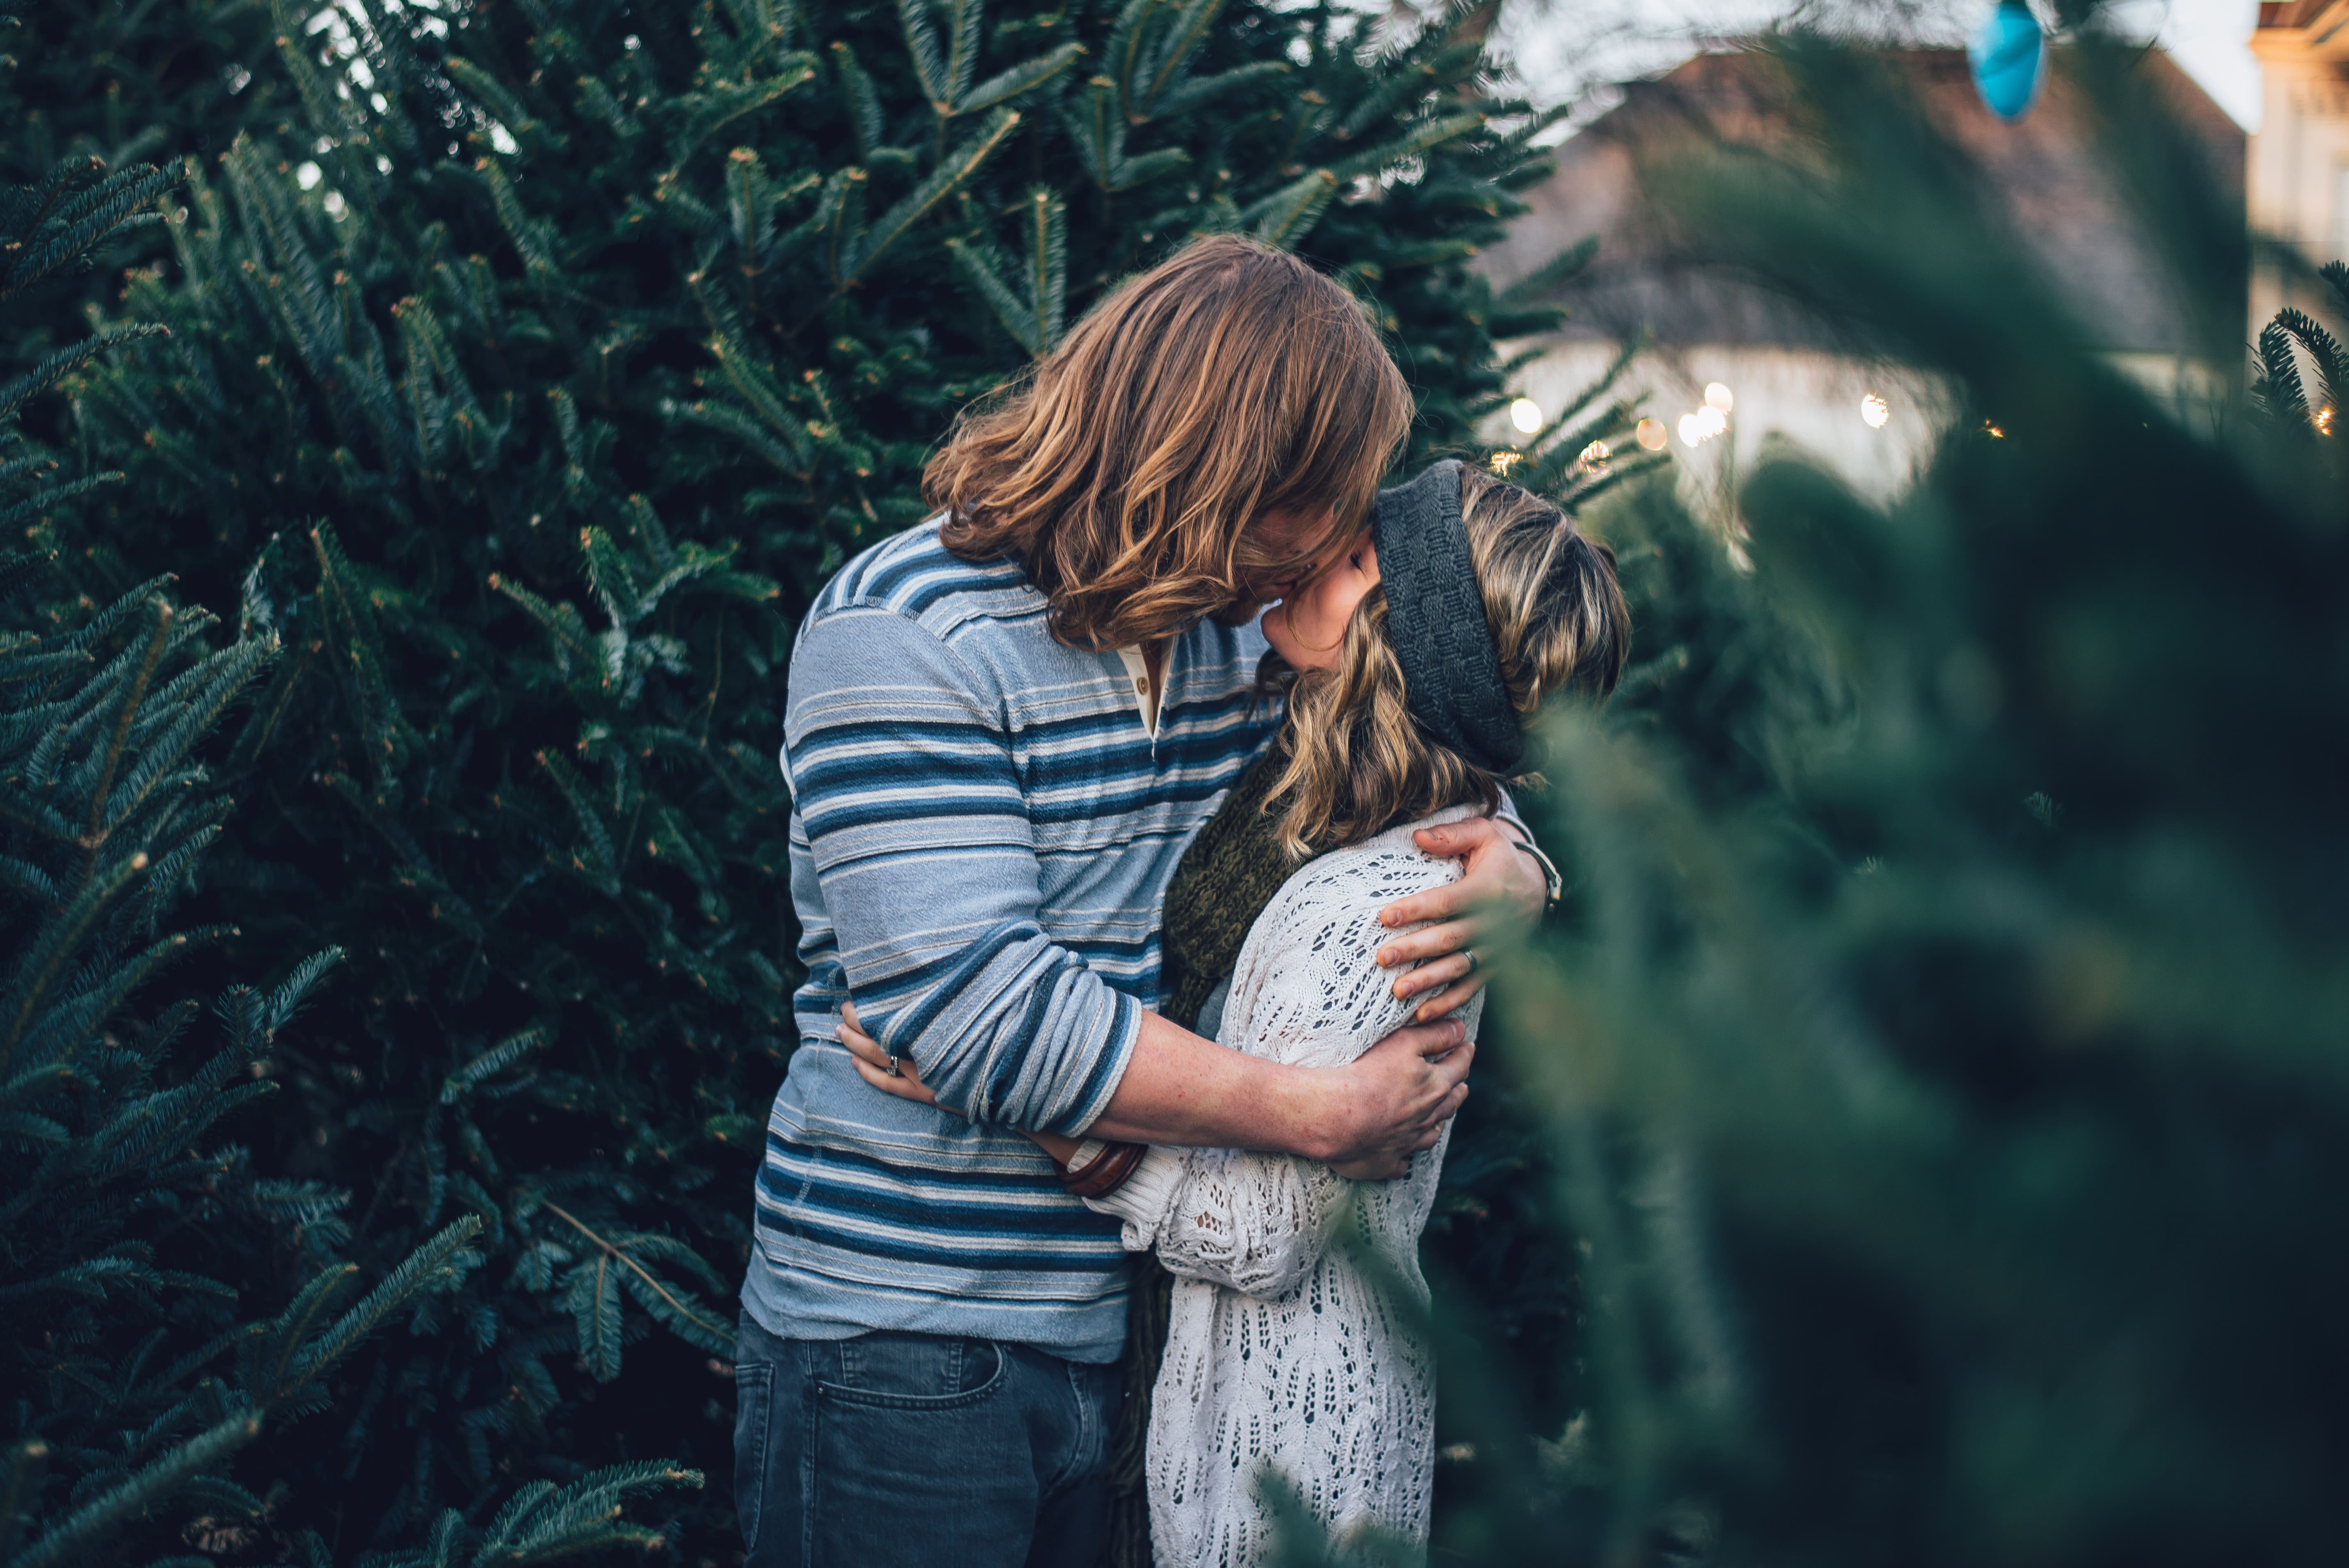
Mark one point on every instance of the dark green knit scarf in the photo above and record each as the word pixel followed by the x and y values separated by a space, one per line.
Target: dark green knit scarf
pixel 1227 877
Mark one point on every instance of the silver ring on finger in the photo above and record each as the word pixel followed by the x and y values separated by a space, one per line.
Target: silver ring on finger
pixel 1474 961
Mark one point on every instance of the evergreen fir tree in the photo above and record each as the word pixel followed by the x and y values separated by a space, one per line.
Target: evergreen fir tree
pixel 126 82
pixel 529 425
pixel 122 82
pixel 133 1248
pixel 1944 1082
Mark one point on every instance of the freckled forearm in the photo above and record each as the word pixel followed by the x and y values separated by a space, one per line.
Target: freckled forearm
pixel 1182 1090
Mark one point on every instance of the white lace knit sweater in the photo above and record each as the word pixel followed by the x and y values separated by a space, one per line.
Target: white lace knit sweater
pixel 1283 1353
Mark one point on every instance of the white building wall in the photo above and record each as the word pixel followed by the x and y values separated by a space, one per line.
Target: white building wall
pixel 1806 400
pixel 2296 185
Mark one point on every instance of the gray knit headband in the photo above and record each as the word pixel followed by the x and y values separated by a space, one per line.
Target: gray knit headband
pixel 1435 619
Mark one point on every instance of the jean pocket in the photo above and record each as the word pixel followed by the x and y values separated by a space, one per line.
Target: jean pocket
pixel 915 1372
pixel 754 1387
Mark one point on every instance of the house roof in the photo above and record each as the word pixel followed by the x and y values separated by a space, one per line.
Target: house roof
pixel 2042 174
pixel 2292 13
pixel 2317 30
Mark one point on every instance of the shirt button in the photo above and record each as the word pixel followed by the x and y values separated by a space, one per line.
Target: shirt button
pixel 1141 684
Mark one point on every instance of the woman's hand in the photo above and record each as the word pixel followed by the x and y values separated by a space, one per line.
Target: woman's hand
pixel 1502 882
pixel 872 1063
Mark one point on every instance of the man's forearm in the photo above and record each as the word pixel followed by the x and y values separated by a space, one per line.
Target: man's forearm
pixel 1181 1090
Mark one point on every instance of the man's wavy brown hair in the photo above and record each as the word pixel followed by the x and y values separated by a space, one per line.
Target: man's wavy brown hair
pixel 1122 474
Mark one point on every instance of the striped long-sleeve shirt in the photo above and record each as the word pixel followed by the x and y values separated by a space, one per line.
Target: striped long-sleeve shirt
pixel 983 827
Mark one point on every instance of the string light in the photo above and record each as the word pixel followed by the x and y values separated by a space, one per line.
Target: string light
pixel 1526 415
pixel 1652 434
pixel 1716 395
pixel 1503 461
pixel 1702 425
pixel 1595 455
pixel 1874 411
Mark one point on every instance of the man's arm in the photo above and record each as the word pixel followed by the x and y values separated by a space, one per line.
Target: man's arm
pixel 1388 1103
pixel 1369 1117
pixel 903 778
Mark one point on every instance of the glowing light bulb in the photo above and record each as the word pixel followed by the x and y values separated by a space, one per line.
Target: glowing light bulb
pixel 1711 421
pixel 1691 430
pixel 1716 395
pixel 1650 435
pixel 1595 455
pixel 1526 415
pixel 1502 462
pixel 1874 411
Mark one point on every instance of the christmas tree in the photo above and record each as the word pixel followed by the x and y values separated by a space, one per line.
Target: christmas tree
pixel 163 1303
pixel 122 82
pixel 1943 1081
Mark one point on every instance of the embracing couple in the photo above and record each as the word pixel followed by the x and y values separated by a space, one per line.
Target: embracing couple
pixel 1132 926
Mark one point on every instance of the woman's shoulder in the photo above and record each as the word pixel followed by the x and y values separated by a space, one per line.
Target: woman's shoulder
pixel 1383 868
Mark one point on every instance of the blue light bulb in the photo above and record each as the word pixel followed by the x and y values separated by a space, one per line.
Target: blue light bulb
pixel 2010 60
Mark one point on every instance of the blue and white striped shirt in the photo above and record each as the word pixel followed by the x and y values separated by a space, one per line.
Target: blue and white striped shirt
pixel 983 827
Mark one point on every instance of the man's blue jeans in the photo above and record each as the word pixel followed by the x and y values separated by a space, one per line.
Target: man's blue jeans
pixel 912 1450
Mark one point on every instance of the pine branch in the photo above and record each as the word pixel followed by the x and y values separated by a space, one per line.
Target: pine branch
pixel 1200 91
pixel 491 1063
pixel 425 1269
pixel 1172 57
pixel 1552 274
pixel 78 1535
pixel 963 21
pixel 711 1330
pixel 59 939
pixel 2279 386
pixel 949 176
pixel 1290 214
pixel 922 50
pixel 863 101
pixel 1409 84
pixel 56 367
pixel 1423 137
pixel 2324 351
pixel 1017 315
pixel 1024 78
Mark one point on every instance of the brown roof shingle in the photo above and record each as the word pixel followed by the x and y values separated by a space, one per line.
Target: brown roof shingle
pixel 2041 174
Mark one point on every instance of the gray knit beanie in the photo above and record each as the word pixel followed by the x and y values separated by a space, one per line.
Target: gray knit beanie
pixel 1435 619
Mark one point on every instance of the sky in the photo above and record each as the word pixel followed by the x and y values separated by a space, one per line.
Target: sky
pixel 1564 47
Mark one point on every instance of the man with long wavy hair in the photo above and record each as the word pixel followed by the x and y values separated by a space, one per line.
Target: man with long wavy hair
pixel 1003 728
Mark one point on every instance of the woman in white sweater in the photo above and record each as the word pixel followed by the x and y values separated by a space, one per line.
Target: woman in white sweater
pixel 1292 1357
pixel 1284 1352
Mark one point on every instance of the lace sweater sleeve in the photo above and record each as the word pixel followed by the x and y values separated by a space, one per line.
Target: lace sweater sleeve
pixel 1306 990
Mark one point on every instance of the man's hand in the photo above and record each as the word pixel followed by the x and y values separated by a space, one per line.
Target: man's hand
pixel 1392 1100
pixel 1503 887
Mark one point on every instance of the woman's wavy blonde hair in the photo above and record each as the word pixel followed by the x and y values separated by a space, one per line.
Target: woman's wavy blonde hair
pixel 1355 762
pixel 1230 379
